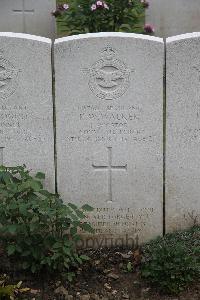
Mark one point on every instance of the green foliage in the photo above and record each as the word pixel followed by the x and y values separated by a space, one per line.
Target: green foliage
pixel 120 15
pixel 172 262
pixel 129 267
pixel 35 226
pixel 9 291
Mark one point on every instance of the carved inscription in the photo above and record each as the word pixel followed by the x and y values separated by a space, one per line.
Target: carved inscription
pixel 15 121
pixel 110 168
pixel 190 131
pixel 8 78
pixel 109 77
pixel 111 220
pixel 109 123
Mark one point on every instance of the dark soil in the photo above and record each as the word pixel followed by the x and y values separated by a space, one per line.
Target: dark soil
pixel 105 276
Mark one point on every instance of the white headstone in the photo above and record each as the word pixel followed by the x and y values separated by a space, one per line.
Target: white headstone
pixel 26 109
pixel 109 132
pixel 28 16
pixel 183 132
pixel 173 17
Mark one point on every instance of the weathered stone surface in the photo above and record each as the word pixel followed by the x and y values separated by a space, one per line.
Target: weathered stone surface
pixel 183 131
pixel 173 17
pixel 26 109
pixel 28 16
pixel 109 132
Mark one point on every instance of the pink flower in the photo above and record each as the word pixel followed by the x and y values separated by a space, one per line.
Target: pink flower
pixel 149 28
pixel 65 6
pixel 93 7
pixel 99 3
pixel 105 6
pixel 60 9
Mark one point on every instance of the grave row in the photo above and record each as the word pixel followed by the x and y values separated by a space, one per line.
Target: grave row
pixel 108 118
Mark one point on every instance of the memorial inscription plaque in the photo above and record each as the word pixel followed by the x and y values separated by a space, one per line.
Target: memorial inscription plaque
pixel 109 132
pixel 26 108
pixel 183 132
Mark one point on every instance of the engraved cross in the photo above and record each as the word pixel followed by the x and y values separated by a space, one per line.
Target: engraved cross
pixel 24 11
pixel 1 156
pixel 110 168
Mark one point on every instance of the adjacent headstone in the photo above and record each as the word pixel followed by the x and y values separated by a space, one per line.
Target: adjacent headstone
pixel 28 16
pixel 183 132
pixel 26 109
pixel 109 98
pixel 173 17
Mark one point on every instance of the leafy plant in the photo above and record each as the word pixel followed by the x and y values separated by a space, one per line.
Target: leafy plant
pixel 84 16
pixel 36 227
pixel 172 262
pixel 10 291
pixel 129 267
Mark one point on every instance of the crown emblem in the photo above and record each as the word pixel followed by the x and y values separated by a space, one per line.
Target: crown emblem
pixel 108 53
